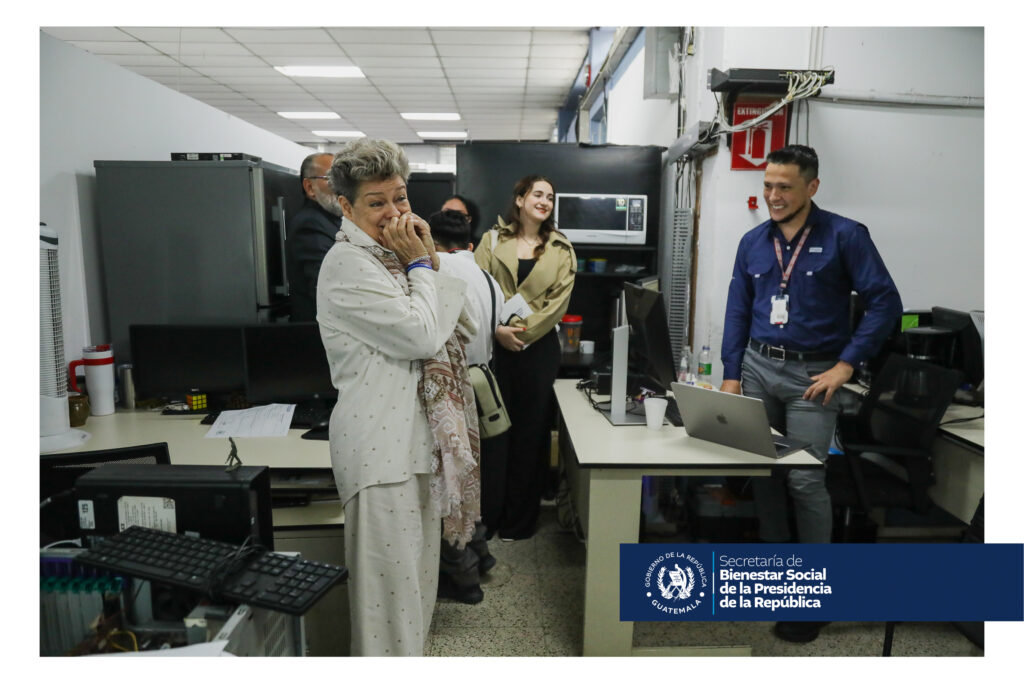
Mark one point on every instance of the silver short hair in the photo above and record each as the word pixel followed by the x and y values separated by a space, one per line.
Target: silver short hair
pixel 366 159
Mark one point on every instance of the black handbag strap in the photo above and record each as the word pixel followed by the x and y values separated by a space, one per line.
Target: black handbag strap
pixel 490 286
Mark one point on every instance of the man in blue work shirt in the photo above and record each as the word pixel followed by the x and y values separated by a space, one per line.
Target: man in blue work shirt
pixel 787 336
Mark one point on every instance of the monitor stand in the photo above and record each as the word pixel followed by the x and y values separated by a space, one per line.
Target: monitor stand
pixel 620 370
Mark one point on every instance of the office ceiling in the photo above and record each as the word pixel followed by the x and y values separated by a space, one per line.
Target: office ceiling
pixel 506 83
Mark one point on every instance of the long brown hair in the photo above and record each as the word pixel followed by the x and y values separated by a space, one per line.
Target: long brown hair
pixel 521 189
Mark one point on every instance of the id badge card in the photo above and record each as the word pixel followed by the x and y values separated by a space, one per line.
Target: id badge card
pixel 780 310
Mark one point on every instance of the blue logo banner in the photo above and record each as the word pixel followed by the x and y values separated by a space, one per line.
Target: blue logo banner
pixel 821 582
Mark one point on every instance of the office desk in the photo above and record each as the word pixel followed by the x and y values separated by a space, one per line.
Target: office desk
pixel 958 460
pixel 314 530
pixel 605 466
pixel 185 440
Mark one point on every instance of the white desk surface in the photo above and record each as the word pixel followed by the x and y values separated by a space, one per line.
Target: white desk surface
pixel 187 445
pixel 600 444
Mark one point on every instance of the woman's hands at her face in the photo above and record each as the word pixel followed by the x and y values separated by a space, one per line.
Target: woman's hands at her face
pixel 402 236
pixel 422 229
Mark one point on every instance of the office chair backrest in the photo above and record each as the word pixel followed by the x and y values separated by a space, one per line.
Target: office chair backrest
pixel 907 401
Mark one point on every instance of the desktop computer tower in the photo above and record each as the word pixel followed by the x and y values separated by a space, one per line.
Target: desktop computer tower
pixel 203 500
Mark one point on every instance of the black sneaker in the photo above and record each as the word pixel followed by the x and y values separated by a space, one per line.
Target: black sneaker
pixel 798 631
pixel 487 563
pixel 449 590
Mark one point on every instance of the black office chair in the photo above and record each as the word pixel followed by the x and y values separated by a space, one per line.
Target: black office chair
pixel 898 420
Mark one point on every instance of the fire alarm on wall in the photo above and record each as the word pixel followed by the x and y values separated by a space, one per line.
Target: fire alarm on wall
pixel 752 203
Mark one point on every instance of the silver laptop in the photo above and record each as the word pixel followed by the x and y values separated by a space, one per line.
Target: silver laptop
pixel 731 420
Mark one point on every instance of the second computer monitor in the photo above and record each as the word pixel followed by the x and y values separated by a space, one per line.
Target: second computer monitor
pixel 171 360
pixel 650 347
pixel 286 363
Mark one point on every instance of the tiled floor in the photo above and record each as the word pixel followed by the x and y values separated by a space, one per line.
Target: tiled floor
pixel 533 602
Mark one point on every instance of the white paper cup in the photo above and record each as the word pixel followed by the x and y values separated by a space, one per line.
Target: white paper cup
pixel 655 410
pixel 586 346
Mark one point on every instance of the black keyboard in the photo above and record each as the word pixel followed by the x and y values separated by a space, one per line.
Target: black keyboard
pixel 242 574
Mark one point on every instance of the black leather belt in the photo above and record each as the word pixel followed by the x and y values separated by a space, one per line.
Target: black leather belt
pixel 781 353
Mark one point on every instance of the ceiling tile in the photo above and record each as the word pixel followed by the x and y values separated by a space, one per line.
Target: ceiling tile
pixel 289 54
pixel 421 62
pixel 382 36
pixel 201 49
pixel 176 34
pixel 481 36
pixel 98 47
pixel 491 51
pixel 412 72
pixel 302 36
pixel 90 33
pixel 485 62
pixel 401 51
pixel 130 61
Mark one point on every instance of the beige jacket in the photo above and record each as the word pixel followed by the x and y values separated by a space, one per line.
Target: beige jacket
pixel 546 289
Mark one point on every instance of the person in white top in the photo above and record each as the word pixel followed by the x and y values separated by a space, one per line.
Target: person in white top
pixel 461 567
pixel 403 434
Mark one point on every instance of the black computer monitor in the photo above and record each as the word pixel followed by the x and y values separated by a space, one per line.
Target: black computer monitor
pixel 58 519
pixel 650 347
pixel 170 360
pixel 966 353
pixel 286 363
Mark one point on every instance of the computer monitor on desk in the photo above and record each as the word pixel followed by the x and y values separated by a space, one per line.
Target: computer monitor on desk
pixel 650 347
pixel 171 360
pixel 966 353
pixel 646 362
pixel 286 363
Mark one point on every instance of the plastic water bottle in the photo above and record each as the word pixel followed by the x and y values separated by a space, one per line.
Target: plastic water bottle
pixel 685 375
pixel 704 367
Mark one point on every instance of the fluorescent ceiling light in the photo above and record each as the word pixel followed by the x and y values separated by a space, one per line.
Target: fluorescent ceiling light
pixel 322 71
pixel 340 133
pixel 308 114
pixel 449 134
pixel 432 117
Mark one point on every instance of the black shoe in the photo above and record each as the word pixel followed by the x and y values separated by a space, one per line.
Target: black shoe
pixel 798 631
pixel 487 563
pixel 449 590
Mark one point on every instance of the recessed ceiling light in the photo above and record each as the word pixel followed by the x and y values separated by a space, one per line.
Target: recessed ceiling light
pixel 340 133
pixel 322 71
pixel 308 114
pixel 432 117
pixel 449 134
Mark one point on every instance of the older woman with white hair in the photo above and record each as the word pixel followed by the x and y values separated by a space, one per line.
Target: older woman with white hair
pixel 404 441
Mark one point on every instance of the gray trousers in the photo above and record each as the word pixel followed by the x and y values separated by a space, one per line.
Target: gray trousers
pixel 781 385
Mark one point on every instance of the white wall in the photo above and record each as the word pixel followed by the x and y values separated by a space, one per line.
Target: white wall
pixel 632 120
pixel 91 109
pixel 913 175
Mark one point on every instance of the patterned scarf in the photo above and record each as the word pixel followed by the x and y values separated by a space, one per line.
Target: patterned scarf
pixel 448 400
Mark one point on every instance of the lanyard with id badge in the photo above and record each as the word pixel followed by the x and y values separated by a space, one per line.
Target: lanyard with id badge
pixel 780 302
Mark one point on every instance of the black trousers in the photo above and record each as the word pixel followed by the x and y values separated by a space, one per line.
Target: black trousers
pixel 526 380
pixel 493 468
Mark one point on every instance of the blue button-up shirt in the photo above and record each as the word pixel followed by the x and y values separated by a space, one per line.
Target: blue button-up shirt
pixel 837 257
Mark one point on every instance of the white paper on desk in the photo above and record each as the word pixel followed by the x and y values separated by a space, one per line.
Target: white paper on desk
pixel 270 420
pixel 515 306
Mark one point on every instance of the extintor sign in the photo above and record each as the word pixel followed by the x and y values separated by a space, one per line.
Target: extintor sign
pixel 750 148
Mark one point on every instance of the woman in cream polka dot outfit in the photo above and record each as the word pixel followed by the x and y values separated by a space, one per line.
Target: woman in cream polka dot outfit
pixel 404 441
